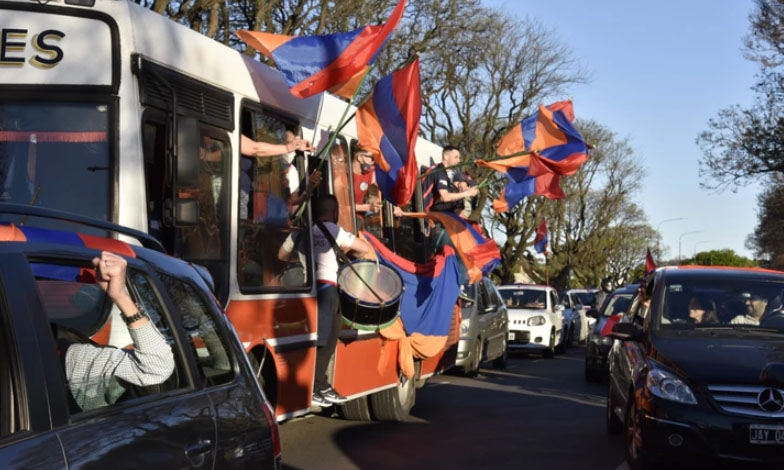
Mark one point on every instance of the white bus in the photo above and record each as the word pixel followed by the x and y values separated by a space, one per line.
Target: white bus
pixel 111 111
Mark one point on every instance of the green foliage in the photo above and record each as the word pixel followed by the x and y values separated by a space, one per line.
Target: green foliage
pixel 724 257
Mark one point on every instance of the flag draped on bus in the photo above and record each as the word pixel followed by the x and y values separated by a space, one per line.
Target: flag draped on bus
pixel 541 239
pixel 520 183
pixel 387 126
pixel 427 307
pixel 332 62
pixel 479 254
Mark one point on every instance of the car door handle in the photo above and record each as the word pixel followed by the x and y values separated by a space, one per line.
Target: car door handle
pixel 198 448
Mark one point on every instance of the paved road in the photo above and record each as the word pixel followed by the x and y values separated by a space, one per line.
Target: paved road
pixel 537 413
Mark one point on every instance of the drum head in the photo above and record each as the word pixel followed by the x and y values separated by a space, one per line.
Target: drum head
pixel 384 280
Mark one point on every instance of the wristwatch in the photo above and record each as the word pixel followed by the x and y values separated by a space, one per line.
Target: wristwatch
pixel 135 317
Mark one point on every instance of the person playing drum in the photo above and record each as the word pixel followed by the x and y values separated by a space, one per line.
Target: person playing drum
pixel 326 211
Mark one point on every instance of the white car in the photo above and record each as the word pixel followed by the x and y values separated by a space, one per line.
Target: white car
pixel 586 297
pixel 536 321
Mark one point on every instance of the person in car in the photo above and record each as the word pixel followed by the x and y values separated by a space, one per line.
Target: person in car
pixel 755 309
pixel 607 288
pixel 92 370
pixel 702 310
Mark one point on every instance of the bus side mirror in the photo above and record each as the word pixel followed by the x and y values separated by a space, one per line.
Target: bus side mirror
pixel 187 152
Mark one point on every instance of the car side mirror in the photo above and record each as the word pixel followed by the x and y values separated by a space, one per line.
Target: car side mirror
pixel 490 308
pixel 593 313
pixel 626 332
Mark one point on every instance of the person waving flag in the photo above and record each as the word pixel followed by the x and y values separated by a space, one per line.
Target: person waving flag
pixel 650 265
pixel 387 126
pixel 541 240
pixel 332 62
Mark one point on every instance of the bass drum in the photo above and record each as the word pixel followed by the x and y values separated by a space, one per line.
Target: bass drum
pixel 361 308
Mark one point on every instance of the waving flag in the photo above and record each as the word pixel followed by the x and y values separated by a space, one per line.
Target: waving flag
pixel 650 265
pixel 549 133
pixel 332 62
pixel 479 254
pixel 427 306
pixel 541 240
pixel 521 183
pixel 387 125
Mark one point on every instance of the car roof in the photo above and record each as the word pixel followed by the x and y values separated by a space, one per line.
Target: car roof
pixel 721 272
pixel 627 289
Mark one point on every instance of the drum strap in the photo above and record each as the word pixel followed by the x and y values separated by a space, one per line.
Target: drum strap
pixel 345 259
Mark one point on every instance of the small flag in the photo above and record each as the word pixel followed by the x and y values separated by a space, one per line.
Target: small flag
pixel 541 240
pixel 521 183
pixel 388 125
pixel 650 265
pixel 332 62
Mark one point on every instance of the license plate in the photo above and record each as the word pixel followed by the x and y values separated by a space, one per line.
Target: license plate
pixel 766 434
pixel 511 336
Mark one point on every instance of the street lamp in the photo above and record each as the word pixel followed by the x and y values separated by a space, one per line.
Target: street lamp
pixel 680 238
pixel 694 253
pixel 658 248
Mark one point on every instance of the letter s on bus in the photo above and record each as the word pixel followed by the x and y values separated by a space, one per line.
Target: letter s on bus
pixel 52 54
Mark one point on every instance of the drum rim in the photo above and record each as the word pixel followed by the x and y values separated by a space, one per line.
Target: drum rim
pixel 366 327
pixel 363 303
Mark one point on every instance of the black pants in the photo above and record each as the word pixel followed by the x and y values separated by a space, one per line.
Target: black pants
pixel 328 331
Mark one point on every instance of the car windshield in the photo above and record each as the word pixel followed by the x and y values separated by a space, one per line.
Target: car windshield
pixel 617 304
pixel 722 303
pixel 524 298
pixel 586 298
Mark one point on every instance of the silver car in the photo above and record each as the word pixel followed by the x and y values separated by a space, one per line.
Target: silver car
pixel 483 328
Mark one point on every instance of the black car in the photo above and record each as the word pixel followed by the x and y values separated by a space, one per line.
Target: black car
pixel 208 411
pixel 698 373
pixel 598 343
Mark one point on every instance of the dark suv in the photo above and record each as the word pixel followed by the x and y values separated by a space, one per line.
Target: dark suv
pixel 209 412
pixel 698 373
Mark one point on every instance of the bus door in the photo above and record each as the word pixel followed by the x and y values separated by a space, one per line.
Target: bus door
pixel 187 157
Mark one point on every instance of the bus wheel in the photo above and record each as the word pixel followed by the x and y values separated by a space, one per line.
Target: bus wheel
pixel 265 374
pixel 357 409
pixel 394 404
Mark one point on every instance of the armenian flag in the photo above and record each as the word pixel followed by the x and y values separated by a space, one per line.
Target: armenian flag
pixel 479 254
pixel 542 239
pixel 521 183
pixel 387 126
pixel 548 133
pixel 332 62
pixel 427 307
pixel 650 265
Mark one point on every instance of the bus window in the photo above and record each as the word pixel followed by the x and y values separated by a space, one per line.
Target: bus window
pixel 269 190
pixel 57 155
pixel 206 242
pixel 341 183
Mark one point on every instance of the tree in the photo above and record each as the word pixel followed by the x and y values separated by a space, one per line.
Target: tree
pixel 767 241
pixel 724 257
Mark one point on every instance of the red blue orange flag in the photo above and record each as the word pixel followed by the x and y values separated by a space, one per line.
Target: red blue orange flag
pixel 479 254
pixel 542 239
pixel 521 183
pixel 387 126
pixel 332 62
pixel 650 265
pixel 559 148
pixel 427 306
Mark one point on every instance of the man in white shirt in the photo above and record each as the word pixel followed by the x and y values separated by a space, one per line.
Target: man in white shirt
pixel 326 210
pixel 755 308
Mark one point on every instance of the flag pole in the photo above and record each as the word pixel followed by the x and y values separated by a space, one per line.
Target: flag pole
pixel 473 162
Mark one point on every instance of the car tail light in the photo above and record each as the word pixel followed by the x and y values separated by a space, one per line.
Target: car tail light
pixel 273 424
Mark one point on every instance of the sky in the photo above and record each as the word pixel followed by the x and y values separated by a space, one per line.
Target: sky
pixel 659 71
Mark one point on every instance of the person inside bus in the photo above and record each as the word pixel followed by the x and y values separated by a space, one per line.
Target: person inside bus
pixel 250 148
pixel 326 210
pixel 367 205
pixel 91 370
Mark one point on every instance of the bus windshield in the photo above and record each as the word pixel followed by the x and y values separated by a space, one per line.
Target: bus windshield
pixel 56 155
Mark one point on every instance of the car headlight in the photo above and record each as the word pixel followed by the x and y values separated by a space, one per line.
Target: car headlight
pixel 606 340
pixel 464 326
pixel 536 321
pixel 666 385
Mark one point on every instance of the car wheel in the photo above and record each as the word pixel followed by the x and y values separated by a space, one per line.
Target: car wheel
pixel 500 362
pixel 614 424
pixel 550 351
pixel 592 375
pixel 635 454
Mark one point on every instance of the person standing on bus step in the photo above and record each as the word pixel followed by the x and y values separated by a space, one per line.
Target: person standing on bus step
pixel 326 210
pixel 251 148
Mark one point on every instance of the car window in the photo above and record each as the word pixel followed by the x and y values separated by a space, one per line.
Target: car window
pixel 95 346
pixel 616 305
pixel 525 298
pixel 488 299
pixel 212 355
pixel 553 299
